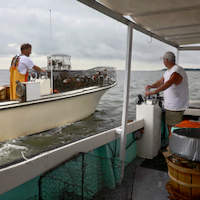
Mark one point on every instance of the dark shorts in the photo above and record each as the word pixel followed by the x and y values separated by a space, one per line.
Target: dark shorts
pixel 173 117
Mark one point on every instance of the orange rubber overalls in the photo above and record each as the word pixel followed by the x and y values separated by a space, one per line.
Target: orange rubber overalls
pixel 15 76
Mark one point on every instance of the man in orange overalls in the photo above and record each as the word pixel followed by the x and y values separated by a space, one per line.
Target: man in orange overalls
pixel 19 69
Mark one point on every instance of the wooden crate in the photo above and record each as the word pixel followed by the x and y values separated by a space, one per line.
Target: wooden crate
pixel 5 92
pixel 2 93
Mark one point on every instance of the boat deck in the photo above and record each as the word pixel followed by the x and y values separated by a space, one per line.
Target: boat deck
pixel 149 183
pixel 194 109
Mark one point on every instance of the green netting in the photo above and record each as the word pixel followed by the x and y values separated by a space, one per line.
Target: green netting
pixel 87 177
pixel 36 197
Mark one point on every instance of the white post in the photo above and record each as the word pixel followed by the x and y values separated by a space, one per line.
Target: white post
pixel 51 56
pixel 126 96
pixel 177 57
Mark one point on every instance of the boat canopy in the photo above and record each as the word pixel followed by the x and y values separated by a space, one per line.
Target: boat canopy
pixel 174 22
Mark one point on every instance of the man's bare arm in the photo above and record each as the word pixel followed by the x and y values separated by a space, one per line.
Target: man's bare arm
pixel 175 78
pixel 39 69
pixel 156 84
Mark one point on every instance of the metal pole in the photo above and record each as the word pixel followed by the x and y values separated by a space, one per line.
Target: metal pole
pixel 126 96
pixel 51 56
pixel 177 57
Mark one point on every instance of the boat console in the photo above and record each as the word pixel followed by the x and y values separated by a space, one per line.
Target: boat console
pixel 33 90
pixel 150 110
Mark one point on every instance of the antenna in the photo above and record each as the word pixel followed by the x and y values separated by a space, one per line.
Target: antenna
pixel 51 55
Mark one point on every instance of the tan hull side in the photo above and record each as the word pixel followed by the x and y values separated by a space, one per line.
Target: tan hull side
pixel 26 120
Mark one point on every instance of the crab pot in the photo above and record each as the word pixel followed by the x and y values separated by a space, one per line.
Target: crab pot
pixel 2 93
pixel 185 182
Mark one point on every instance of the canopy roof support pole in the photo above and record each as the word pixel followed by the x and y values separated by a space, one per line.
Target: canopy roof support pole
pixel 51 56
pixel 126 96
pixel 177 57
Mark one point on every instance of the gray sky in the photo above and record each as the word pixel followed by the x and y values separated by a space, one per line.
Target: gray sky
pixel 91 38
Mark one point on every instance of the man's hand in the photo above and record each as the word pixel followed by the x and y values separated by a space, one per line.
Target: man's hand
pixel 148 93
pixel 147 87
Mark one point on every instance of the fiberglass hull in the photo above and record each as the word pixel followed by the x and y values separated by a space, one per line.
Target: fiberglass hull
pixel 21 119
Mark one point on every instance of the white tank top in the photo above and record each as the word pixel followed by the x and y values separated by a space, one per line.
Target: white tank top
pixel 176 97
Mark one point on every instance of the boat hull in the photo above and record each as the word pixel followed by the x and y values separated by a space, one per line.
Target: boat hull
pixel 37 116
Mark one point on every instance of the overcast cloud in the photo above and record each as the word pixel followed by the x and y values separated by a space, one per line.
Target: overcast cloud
pixel 91 38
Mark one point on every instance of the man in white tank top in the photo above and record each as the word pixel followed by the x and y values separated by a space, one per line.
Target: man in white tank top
pixel 174 83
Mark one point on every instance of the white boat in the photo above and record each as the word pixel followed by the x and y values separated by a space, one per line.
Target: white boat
pixel 44 110
pixel 170 22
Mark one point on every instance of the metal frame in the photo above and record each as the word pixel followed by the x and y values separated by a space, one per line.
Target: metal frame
pixel 177 56
pixel 189 48
pixel 168 11
pixel 126 96
pixel 99 7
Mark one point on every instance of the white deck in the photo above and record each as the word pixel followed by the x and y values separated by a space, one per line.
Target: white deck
pixel 194 108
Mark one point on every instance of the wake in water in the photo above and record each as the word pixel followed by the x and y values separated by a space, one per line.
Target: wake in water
pixel 11 151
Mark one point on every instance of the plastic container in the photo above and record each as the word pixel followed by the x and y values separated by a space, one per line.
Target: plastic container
pixel 185 143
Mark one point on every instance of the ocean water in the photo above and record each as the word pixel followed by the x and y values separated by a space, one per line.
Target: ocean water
pixel 107 116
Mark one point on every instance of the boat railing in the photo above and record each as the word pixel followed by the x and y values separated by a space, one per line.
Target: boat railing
pixel 53 157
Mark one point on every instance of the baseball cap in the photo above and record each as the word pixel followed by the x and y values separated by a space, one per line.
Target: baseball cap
pixel 169 55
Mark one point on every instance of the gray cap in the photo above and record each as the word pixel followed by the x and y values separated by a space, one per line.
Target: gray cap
pixel 169 56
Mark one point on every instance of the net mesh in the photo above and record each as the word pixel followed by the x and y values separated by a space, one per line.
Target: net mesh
pixel 87 177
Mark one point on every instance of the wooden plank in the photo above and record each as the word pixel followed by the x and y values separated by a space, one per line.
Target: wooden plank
pixel 196 181
pixel 174 173
pixel 182 169
pixel 186 178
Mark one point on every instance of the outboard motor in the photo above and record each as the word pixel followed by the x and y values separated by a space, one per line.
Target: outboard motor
pixel 20 91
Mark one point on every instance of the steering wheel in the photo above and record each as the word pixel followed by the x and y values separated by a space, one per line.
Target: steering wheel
pixel 33 76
